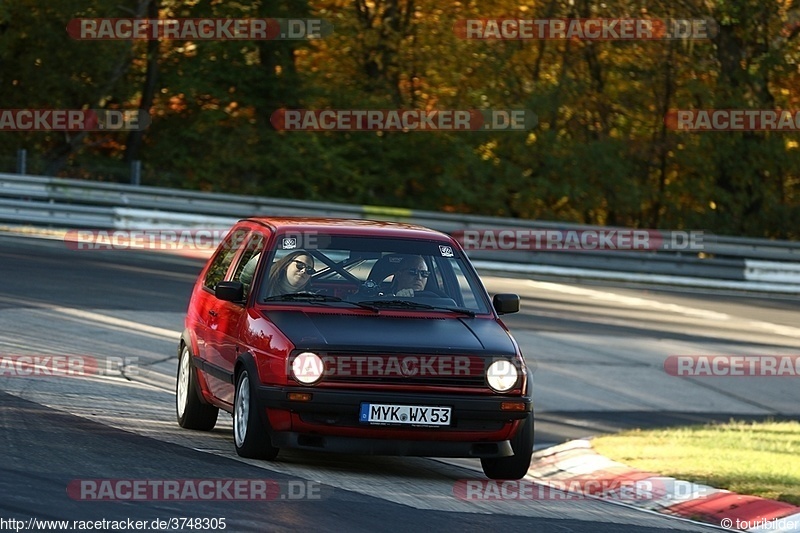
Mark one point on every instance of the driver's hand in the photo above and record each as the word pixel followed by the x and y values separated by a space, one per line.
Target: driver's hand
pixel 405 292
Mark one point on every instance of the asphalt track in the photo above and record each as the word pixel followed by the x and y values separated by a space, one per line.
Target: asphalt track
pixel 597 352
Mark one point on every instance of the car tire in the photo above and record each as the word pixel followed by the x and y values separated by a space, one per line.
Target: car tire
pixel 249 434
pixel 191 410
pixel 516 466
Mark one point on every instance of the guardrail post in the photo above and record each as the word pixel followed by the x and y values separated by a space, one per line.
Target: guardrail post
pixel 22 161
pixel 136 172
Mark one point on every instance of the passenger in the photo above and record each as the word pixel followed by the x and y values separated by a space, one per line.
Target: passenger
pixel 290 274
pixel 411 276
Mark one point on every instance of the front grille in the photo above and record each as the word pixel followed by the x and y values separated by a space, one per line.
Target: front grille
pixel 456 371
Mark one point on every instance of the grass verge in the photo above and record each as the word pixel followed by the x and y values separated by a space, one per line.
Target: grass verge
pixel 761 459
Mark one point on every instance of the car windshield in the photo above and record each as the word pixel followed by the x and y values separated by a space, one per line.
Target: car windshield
pixel 372 273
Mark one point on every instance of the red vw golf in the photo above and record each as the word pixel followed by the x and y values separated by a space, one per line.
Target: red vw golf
pixel 354 336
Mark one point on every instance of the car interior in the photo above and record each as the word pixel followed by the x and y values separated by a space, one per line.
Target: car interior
pixel 359 275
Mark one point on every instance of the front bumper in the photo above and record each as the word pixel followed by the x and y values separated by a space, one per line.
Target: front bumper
pixel 373 446
pixel 329 422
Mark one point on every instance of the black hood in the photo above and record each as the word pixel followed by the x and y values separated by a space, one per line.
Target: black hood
pixel 384 334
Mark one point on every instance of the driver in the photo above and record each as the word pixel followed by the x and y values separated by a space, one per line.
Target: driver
pixel 411 276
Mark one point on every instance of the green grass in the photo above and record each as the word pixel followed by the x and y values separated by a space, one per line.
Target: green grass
pixel 761 459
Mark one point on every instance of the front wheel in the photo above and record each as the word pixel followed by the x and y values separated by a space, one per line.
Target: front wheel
pixel 192 412
pixel 516 466
pixel 249 435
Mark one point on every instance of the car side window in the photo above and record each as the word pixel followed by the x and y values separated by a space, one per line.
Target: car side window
pixel 246 269
pixel 228 249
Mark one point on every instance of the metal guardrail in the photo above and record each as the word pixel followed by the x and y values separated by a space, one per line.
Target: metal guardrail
pixel 86 204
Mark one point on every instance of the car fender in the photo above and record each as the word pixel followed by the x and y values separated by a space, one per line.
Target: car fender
pixel 528 394
pixel 189 338
pixel 529 384
pixel 247 361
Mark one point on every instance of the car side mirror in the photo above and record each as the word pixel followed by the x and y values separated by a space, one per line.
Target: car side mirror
pixel 505 303
pixel 230 291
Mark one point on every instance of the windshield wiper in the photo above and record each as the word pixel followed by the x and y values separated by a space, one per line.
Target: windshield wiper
pixel 298 296
pixel 397 303
pixel 468 312
pixel 310 297
pixel 372 305
pixel 408 304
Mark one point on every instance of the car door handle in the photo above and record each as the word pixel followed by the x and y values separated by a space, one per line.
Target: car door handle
pixel 212 312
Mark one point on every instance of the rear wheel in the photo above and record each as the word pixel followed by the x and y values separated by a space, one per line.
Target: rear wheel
pixel 249 434
pixel 516 466
pixel 192 412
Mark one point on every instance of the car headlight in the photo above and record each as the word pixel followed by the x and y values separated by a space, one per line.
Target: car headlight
pixel 502 375
pixel 307 368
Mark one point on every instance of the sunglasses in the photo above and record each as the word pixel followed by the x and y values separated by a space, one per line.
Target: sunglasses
pixel 418 272
pixel 304 267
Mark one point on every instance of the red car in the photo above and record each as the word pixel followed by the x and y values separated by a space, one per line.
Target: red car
pixel 354 336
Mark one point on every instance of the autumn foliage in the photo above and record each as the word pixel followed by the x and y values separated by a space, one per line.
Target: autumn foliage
pixel 601 153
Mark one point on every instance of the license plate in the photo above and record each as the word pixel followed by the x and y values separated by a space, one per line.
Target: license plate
pixel 376 413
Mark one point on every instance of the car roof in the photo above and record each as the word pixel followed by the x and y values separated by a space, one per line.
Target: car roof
pixel 344 226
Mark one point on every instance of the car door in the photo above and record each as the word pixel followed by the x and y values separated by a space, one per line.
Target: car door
pixel 209 309
pixel 231 317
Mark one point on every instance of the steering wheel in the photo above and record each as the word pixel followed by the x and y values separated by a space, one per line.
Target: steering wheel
pixel 368 288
